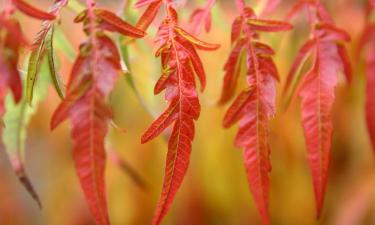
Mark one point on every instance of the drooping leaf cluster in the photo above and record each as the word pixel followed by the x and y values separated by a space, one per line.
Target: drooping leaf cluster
pixel 255 106
pixel 92 79
pixel 98 65
pixel 179 63
pixel 317 88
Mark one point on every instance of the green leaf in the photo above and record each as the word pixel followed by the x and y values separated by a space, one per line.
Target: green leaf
pixel 56 79
pixel 32 70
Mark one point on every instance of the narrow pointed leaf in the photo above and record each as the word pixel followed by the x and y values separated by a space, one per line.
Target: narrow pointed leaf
pixel 268 25
pixel 149 15
pixel 32 11
pixel 198 43
pixel 114 23
pixel 55 77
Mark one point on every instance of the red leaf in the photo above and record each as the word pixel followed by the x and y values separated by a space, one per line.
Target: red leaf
pixel 297 7
pixel 317 93
pixel 195 41
pixel 195 60
pixel 112 22
pixel 330 32
pixel 201 17
pixel 321 13
pixel 255 106
pixel 268 25
pixel 141 3
pixel 232 71
pixel 236 28
pixel 9 61
pixel 86 104
pixel 90 125
pixel 13 29
pixel 32 11
pixel 149 15
pixel 298 61
pixel 161 123
pixel 179 62
pixel 235 112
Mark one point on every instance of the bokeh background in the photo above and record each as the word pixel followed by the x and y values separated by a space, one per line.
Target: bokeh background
pixel 215 190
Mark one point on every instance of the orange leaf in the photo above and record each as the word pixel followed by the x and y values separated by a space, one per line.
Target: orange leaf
pixel 268 25
pixel 114 23
pixel 198 43
pixel 32 11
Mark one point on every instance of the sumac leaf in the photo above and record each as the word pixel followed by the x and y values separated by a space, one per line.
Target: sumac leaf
pixel 268 25
pixel 198 43
pixel 255 106
pixel 317 93
pixel 32 11
pixel 180 62
pixel 114 23
pixel 92 79
pixel 149 15
pixel 318 90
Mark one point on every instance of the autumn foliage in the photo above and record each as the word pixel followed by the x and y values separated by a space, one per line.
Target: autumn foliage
pixel 250 62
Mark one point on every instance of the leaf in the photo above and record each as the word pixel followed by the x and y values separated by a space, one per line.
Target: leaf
pixel 141 3
pixel 33 69
pixel 195 60
pixel 161 123
pixel 198 43
pixel 112 22
pixel 297 8
pixel 268 25
pixel 300 59
pixel 13 28
pixel 317 93
pixel 92 79
pixel 255 106
pixel 254 110
pixel 179 64
pixel 76 89
pixel 201 18
pixel 9 56
pixel 32 11
pixel 236 28
pixel 42 43
pixel 149 15
pixel 321 13
pixel 51 64
pixel 235 112
pixel 330 32
pixel 232 70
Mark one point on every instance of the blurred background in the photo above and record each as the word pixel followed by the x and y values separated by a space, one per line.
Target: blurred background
pixel 215 190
